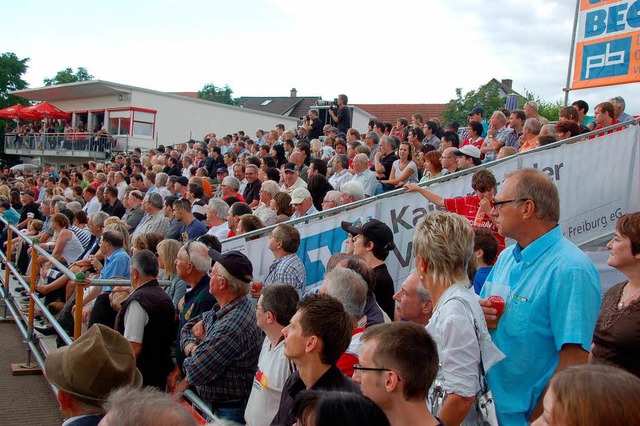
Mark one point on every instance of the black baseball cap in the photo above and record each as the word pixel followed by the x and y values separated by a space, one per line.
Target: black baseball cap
pixel 235 262
pixel 375 231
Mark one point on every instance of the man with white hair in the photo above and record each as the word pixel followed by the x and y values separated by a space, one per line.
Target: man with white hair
pixel 302 203
pixel 192 264
pixel 371 140
pixel 351 290
pixel 618 107
pixel 146 320
pixel 331 200
pixel 531 111
pixel 364 175
pixel 352 191
pixel 153 219
pixel 413 301
pixel 230 187
pixel 498 135
pixel 264 212
pixel 222 348
pixel 134 213
pixel 121 185
pixel 217 212
pixel 297 158
pixel 92 203
pixel 341 173
pixel 161 184
pixel 530 134
pixel 292 180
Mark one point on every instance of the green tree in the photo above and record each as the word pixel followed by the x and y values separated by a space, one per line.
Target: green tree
pixel 486 96
pixel 549 110
pixel 212 93
pixel 11 71
pixel 68 76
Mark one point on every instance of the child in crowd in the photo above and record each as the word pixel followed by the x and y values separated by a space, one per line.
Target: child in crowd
pixel 485 246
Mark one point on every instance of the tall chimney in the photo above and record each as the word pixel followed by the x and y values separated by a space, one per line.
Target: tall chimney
pixel 507 82
pixel 294 92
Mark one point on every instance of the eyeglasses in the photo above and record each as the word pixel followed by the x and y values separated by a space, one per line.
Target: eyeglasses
pixel 212 273
pixel 359 367
pixel 498 204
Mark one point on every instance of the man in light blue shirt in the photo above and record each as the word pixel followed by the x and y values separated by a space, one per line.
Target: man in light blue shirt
pixel 552 302
pixel 116 264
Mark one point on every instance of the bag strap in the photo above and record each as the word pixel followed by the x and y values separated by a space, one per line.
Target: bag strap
pixel 483 377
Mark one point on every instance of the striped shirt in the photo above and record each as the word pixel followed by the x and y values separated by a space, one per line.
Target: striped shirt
pixel 83 235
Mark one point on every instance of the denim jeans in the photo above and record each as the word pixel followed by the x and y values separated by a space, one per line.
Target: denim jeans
pixel 235 414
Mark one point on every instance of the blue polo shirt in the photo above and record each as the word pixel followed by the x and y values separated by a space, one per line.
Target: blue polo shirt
pixel 116 265
pixel 554 300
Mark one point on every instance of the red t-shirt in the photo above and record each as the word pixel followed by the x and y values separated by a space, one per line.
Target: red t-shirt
pixel 477 143
pixel 599 126
pixel 349 358
pixel 469 207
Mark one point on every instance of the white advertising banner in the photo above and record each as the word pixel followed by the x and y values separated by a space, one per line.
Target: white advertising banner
pixel 598 181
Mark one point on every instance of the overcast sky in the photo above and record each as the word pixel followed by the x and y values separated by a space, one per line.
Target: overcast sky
pixel 400 51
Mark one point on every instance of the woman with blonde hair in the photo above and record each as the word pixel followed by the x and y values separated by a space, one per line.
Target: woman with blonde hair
pixel 315 145
pixel 167 254
pixel 443 246
pixel 591 394
pixel 4 191
pixel 148 241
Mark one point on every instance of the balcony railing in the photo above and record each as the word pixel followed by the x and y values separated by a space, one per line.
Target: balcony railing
pixel 65 144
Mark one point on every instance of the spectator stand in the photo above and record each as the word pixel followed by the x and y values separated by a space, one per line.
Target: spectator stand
pixel 29 311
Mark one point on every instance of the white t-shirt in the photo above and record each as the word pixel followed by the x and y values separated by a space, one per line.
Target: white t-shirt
pixel 274 368
pixel 135 319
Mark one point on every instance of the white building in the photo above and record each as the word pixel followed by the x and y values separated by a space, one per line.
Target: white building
pixel 137 117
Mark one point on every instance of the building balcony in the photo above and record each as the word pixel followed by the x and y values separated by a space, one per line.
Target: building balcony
pixel 77 145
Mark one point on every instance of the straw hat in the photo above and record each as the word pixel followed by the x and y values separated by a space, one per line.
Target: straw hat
pixel 101 360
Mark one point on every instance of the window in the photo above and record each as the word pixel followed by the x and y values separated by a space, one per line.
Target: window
pixel 265 103
pixel 143 123
pixel 119 126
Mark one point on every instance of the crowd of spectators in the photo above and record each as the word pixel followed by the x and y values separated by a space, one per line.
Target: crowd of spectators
pixel 268 352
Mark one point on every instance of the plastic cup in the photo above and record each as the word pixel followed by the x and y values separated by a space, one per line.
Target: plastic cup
pixel 497 294
pixel 256 289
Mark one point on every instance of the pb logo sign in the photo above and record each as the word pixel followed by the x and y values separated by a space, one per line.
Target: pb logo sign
pixel 608 59
pixel 607 49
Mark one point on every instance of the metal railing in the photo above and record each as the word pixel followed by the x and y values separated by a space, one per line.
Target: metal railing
pixel 372 200
pixel 65 142
pixel 26 324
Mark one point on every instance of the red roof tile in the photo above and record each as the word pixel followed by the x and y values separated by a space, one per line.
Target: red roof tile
pixel 391 112
pixel 187 94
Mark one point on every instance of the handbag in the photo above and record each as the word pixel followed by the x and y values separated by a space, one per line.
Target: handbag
pixel 484 404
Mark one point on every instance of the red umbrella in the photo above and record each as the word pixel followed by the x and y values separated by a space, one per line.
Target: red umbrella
pixel 43 110
pixel 12 111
